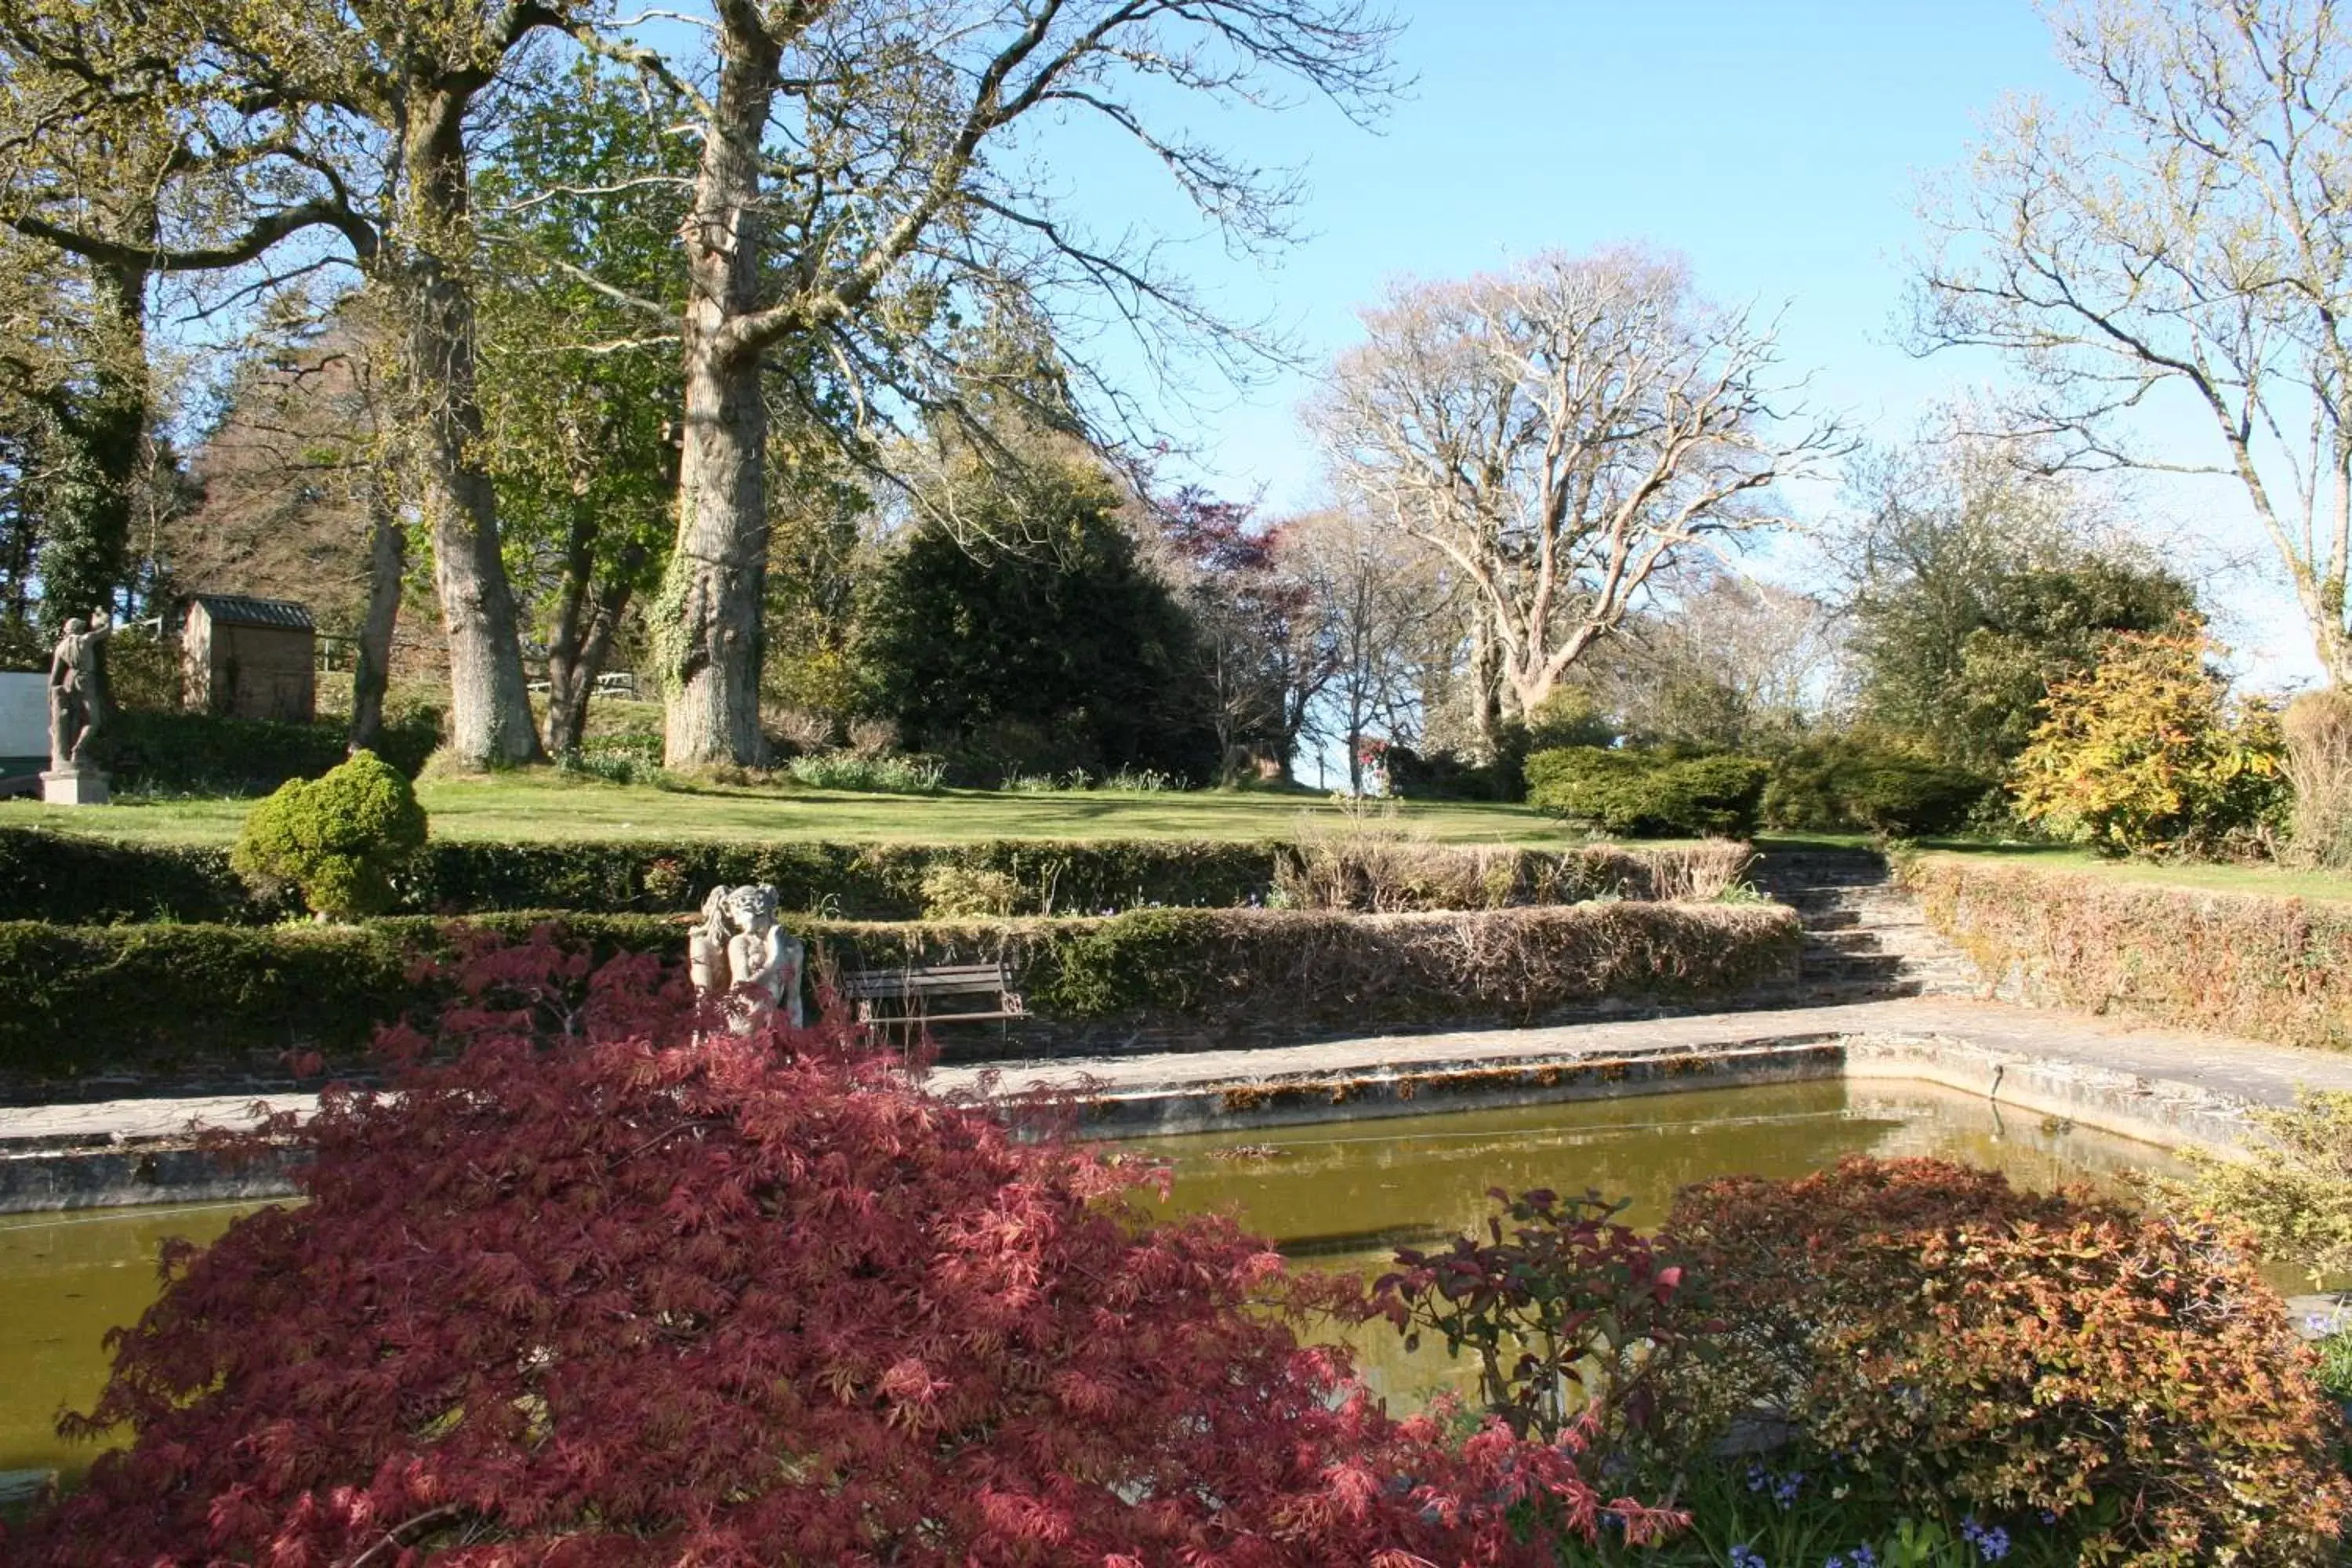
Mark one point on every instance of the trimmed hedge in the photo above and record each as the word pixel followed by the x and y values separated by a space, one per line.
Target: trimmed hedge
pixel 2270 968
pixel 104 998
pixel 76 880
pixel 171 752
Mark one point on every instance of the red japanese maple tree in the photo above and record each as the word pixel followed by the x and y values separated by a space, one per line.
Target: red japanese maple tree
pixel 582 1290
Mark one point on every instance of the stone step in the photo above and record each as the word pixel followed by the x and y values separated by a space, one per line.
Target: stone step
pixel 1830 920
pixel 1860 938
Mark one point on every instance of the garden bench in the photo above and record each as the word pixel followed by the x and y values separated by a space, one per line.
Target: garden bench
pixel 983 990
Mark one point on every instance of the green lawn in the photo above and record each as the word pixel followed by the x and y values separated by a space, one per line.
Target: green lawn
pixel 2275 881
pixel 544 807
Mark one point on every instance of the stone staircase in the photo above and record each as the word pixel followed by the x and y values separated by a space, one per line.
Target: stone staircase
pixel 1865 939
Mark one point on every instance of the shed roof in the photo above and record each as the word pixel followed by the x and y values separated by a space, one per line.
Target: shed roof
pixel 236 610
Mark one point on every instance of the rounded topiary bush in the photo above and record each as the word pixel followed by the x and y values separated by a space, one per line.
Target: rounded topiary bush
pixel 341 838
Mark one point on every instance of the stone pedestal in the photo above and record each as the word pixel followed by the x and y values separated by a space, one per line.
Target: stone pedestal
pixel 74 786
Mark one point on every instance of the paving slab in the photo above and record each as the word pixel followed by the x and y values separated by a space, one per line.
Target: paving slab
pixel 2250 1070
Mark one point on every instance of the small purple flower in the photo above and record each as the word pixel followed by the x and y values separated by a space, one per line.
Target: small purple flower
pixel 1743 1558
pixel 1992 1542
pixel 1864 1556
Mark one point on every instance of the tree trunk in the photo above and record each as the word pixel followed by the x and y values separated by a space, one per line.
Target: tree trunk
pixel 707 627
pixel 1485 683
pixel 489 701
pixel 387 567
pixel 582 637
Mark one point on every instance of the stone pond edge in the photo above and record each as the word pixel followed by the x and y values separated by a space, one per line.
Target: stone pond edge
pixel 2167 1114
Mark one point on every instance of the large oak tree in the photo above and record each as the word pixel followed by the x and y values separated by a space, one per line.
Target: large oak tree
pixel 873 179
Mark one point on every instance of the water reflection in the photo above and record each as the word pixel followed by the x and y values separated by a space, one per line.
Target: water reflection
pixel 64 1279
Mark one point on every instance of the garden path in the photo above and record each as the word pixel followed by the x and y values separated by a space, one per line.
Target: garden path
pixel 2142 1059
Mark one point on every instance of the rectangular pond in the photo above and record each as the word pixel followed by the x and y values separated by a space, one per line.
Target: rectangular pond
pixel 1334 1194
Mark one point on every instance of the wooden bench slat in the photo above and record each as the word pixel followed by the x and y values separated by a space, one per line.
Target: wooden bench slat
pixel 914 989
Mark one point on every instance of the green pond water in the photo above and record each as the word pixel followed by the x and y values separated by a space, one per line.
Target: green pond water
pixel 1339 1195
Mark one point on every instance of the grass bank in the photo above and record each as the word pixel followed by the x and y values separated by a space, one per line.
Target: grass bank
pixel 543 807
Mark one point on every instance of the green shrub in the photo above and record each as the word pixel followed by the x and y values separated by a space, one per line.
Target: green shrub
pixel 882 774
pixel 339 838
pixel 2000 1352
pixel 2296 1198
pixel 1648 793
pixel 1857 785
pixel 76 880
pixel 963 892
pixel 1446 776
pixel 85 1000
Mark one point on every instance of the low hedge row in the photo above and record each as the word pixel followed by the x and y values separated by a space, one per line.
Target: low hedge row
pixel 75 880
pixel 2270 968
pixel 173 751
pixel 92 999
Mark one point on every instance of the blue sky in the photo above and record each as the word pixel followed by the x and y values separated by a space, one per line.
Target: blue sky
pixel 1777 144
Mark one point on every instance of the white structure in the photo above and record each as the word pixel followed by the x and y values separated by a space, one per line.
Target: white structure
pixel 23 722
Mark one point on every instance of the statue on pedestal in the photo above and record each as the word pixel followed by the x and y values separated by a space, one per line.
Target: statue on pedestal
pixel 738 955
pixel 77 712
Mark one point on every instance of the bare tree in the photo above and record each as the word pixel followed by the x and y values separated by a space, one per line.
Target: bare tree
pixel 1561 432
pixel 2185 228
pixel 1720 660
pixel 299 491
pixel 863 187
pixel 1372 607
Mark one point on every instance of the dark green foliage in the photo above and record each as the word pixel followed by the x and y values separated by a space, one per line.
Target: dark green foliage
pixel 159 998
pixel 1653 794
pixel 168 752
pixel 341 837
pixel 1150 960
pixel 75 880
pixel 1057 653
pixel 92 999
pixel 1443 775
pixel 1856 784
pixel 1964 660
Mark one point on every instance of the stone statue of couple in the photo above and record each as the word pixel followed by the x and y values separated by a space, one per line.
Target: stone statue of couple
pixel 740 957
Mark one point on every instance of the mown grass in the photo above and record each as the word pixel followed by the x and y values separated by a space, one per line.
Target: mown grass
pixel 2272 881
pixel 541 806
